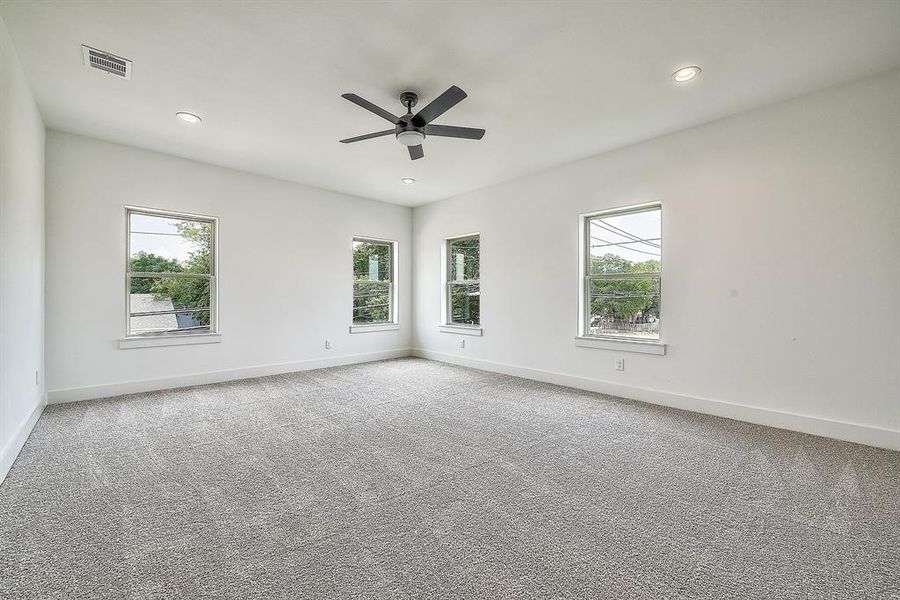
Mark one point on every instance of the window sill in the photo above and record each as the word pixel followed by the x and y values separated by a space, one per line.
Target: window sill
pixel 374 327
pixel 623 345
pixel 153 341
pixel 461 329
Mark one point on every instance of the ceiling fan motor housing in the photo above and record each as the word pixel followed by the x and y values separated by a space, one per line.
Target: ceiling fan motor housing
pixel 409 134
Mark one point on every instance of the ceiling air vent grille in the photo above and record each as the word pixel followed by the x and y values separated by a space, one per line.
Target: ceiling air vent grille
pixel 106 62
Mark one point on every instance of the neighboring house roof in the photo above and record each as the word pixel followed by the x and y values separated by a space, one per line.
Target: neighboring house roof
pixel 147 303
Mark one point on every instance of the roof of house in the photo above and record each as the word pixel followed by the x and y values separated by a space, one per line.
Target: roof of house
pixel 148 303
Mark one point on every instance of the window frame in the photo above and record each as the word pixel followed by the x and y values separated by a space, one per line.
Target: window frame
pixel 611 341
pixel 394 296
pixel 212 276
pixel 447 323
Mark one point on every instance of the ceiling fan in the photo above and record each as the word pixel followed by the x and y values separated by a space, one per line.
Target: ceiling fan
pixel 411 130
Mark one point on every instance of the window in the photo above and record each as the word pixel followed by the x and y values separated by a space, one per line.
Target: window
pixel 463 295
pixel 374 289
pixel 171 277
pixel 621 276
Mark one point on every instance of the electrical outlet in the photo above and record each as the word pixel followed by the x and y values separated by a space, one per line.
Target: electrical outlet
pixel 620 364
pixel 328 344
pixel 37 380
pixel 462 343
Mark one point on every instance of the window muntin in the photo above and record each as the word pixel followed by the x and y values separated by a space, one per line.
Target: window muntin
pixel 463 284
pixel 373 282
pixel 622 275
pixel 170 277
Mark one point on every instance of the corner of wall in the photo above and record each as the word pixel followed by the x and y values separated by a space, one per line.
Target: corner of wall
pixel 23 136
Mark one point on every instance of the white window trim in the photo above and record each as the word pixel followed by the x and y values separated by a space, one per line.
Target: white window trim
pixel 173 338
pixel 183 339
pixel 394 323
pixel 621 344
pixel 446 325
pixel 374 327
pixel 461 329
pixel 609 342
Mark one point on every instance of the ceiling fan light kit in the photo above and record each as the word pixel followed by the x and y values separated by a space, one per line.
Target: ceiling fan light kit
pixel 411 138
pixel 411 130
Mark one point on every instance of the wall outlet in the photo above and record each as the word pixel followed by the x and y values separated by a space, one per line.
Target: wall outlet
pixel 37 379
pixel 462 343
pixel 620 364
pixel 328 344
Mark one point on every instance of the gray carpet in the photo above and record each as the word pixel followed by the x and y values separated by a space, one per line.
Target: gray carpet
pixel 411 478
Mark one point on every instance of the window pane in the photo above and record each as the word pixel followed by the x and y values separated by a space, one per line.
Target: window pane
pixel 465 303
pixel 188 321
pixel 170 244
pixel 629 243
pixel 627 307
pixel 464 259
pixel 153 294
pixel 167 244
pixel 371 301
pixel 371 261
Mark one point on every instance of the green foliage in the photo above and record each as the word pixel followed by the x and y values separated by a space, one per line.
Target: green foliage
pixel 151 263
pixel 363 253
pixel 465 270
pixel 465 303
pixel 147 262
pixel 371 290
pixel 624 301
pixel 185 292
pixel 470 249
pixel 610 263
pixel 190 292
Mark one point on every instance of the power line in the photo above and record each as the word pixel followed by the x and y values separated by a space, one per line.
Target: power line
pixel 608 243
pixel 616 243
pixel 622 232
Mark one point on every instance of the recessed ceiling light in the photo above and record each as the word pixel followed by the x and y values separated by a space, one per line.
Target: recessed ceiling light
pixel 408 180
pixel 685 74
pixel 188 117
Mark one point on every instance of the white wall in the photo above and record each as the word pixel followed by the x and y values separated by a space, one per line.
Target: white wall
pixel 21 256
pixel 284 270
pixel 781 266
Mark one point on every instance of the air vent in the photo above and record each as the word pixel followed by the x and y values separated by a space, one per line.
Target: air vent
pixel 106 62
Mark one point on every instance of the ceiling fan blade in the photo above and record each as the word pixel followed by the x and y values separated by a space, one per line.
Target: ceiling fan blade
pixel 368 136
pixel 371 107
pixel 439 106
pixel 416 152
pixel 469 133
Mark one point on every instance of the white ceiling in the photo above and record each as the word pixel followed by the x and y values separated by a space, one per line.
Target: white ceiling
pixel 551 82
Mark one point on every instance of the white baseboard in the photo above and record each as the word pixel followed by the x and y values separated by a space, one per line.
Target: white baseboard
pixel 12 449
pixel 841 430
pixel 851 432
pixel 107 390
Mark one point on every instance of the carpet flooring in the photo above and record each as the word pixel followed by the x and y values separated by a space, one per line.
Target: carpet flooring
pixel 417 479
